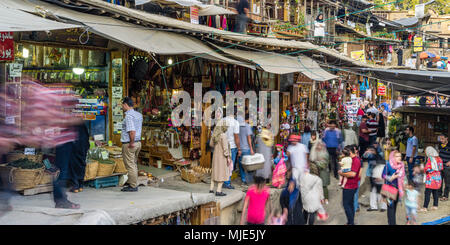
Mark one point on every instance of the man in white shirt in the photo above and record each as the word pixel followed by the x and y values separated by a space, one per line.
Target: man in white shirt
pixel 298 153
pixel 233 139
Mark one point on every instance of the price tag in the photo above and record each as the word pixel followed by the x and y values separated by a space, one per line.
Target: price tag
pixel 99 137
pixel 110 143
pixel 9 120
pixel 105 155
pixel 30 151
pixel 92 145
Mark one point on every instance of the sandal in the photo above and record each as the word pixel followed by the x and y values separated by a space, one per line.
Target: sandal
pixel 67 205
pixel 423 210
pixel 434 208
pixel 444 199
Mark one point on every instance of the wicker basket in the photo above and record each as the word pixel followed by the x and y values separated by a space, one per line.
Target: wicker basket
pixel 21 179
pixel 11 157
pixel 120 166
pixel 91 170
pixel 191 177
pixel 48 177
pixel 105 169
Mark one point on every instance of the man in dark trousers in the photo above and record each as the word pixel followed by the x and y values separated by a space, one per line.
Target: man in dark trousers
pixel 71 161
pixel 242 17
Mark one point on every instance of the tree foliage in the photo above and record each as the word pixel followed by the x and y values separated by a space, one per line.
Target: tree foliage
pixel 441 7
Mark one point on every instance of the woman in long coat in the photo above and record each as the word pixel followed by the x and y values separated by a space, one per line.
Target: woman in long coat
pixel 221 158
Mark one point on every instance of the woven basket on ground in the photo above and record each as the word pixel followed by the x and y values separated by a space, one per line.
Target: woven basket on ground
pixel 91 170
pixel 191 176
pixel 11 157
pixel 120 165
pixel 48 177
pixel 20 179
pixel 105 169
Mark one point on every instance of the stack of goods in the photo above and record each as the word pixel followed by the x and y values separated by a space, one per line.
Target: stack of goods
pixel 115 154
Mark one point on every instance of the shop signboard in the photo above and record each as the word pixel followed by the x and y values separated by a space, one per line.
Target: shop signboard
pixel 359 55
pixel 381 89
pixel 15 70
pixel 194 15
pixel 418 44
pixel 6 46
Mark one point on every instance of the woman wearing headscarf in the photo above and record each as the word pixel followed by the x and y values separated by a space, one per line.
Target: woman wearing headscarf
pixel 319 160
pixel 221 158
pixel 312 196
pixel 394 175
pixel 264 147
pixel 433 180
pixel 319 27
pixel 291 204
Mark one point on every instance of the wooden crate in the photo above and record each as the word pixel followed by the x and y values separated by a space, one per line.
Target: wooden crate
pixel 205 213
pixel 38 190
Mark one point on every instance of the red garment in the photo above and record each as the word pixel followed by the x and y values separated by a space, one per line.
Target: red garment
pixel 365 136
pixel 433 178
pixel 360 112
pixel 352 183
pixel 256 213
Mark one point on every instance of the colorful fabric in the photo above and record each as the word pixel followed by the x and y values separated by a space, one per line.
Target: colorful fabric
pixel 399 168
pixel 278 176
pixel 433 173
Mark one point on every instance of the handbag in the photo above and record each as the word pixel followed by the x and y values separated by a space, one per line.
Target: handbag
pixel 389 191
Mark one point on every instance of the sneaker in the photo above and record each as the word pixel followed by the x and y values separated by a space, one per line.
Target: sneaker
pixel 382 210
pixel 371 209
pixel 67 205
pixel 129 189
pixel 211 191
pixel 228 187
pixel 220 194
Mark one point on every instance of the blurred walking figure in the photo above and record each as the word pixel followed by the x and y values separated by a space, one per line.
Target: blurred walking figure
pixel 393 175
pixel 375 158
pixel 131 142
pixel 333 138
pixel 257 200
pixel 221 158
pixel 411 203
pixel 242 17
pixel 349 136
pixel 319 161
pixel 297 153
pixel 265 147
pixel 292 205
pixel 433 180
pixel 312 195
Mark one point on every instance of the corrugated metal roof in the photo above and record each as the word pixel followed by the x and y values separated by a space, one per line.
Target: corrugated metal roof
pixel 173 23
pixel 407 21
